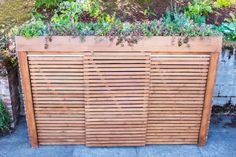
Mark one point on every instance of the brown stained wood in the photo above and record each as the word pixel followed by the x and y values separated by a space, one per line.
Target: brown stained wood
pixel 173 104
pixel 115 107
pixel 28 98
pixel 164 44
pixel 208 98
pixel 60 106
pixel 100 94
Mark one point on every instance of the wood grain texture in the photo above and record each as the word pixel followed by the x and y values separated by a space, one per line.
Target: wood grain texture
pixel 58 100
pixel 170 115
pixel 100 94
pixel 29 108
pixel 112 101
pixel 208 98
pixel 96 43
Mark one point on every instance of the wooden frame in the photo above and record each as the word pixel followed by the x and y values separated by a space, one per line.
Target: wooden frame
pixel 29 109
pixel 66 45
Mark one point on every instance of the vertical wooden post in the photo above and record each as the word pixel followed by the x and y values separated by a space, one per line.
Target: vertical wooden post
pixel 208 98
pixel 28 98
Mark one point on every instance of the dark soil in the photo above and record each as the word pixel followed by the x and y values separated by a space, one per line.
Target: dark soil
pixel 228 110
pixel 219 15
pixel 85 17
pixel 4 133
pixel 47 12
pixel 133 10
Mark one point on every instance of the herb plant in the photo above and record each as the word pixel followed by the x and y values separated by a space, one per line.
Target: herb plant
pixel 198 9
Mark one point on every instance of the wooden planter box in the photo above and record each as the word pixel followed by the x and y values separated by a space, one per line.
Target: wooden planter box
pixel 96 93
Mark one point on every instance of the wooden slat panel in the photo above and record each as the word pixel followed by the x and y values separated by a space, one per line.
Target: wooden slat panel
pixel 176 99
pixel 116 98
pixel 58 97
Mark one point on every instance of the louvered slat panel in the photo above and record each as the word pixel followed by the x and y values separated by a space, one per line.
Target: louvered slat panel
pixel 177 90
pixel 58 98
pixel 116 97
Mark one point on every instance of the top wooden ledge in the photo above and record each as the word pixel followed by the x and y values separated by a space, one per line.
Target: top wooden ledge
pixel 94 43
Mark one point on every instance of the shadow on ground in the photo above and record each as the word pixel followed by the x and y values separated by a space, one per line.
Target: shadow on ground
pixel 221 143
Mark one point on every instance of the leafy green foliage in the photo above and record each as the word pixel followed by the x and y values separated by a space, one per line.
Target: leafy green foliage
pixel 224 3
pixel 47 3
pixel 180 24
pixel 229 30
pixel 68 20
pixel 94 8
pixel 67 14
pixel 33 28
pixel 5 119
pixel 198 9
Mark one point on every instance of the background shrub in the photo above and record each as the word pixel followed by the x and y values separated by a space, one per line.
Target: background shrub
pixel 5 118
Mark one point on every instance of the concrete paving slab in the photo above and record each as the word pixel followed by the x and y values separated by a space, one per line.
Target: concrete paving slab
pixel 169 151
pixel 83 151
pixel 221 143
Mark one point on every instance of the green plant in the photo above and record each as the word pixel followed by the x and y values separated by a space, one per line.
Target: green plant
pixel 94 8
pixel 179 24
pixel 33 28
pixel 229 30
pixel 69 20
pixel 198 9
pixel 47 3
pixel 5 118
pixel 224 3
pixel 67 14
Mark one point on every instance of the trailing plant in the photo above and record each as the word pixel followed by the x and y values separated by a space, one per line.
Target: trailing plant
pixel 198 9
pixel 5 118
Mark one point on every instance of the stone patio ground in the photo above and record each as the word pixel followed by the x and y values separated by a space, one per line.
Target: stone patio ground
pixel 221 143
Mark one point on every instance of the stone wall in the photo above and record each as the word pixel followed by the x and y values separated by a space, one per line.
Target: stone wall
pixel 9 94
pixel 225 89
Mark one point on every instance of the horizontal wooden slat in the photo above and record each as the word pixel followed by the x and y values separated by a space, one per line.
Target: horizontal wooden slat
pixel 116 107
pixel 176 98
pixel 45 62
pixel 58 97
pixel 118 98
